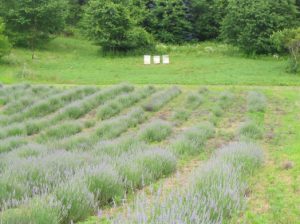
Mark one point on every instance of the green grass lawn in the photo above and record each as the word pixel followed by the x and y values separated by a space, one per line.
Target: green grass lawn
pixel 75 61
pixel 275 196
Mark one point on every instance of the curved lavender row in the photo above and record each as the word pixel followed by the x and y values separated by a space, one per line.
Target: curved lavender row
pixel 49 105
pixel 36 93
pixel 115 106
pixel 75 109
pixel 215 194
pixel 161 98
pixel 13 93
pixel 131 165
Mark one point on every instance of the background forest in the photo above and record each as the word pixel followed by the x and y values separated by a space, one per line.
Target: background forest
pixel 256 27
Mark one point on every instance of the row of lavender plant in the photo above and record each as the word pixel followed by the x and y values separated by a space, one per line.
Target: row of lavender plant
pixel 46 106
pixel 161 98
pixel 216 193
pixel 69 111
pixel 13 92
pixel 108 129
pixel 134 167
pixel 115 106
pixel 252 128
pixel 34 94
pixel 69 128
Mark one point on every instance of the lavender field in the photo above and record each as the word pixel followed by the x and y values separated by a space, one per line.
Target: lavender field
pixel 70 154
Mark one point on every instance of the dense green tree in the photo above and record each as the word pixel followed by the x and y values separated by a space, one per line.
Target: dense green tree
pixel 112 26
pixel 168 21
pixel 249 24
pixel 207 17
pixel 31 23
pixel 75 11
pixel 4 43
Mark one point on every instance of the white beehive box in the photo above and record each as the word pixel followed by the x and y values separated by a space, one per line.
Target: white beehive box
pixel 166 59
pixel 156 60
pixel 147 59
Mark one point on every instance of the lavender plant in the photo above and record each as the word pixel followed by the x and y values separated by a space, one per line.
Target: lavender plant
pixel 180 115
pixel 225 99
pixel 161 98
pixel 250 130
pixel 114 107
pixel 49 105
pixel 10 143
pixel 256 102
pixel 156 131
pixel 145 166
pixel 216 191
pixel 194 100
pixel 192 141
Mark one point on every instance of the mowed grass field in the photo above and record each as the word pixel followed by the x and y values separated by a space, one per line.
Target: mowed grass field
pixel 76 61
pixel 86 153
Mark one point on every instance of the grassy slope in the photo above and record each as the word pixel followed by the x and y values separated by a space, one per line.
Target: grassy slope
pixel 276 191
pixel 74 61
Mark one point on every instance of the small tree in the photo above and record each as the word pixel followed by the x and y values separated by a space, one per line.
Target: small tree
pixel 288 40
pixel 111 25
pixel 4 43
pixel 31 23
pixel 249 24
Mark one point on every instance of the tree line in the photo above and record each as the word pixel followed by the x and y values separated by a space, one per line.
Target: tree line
pixel 127 25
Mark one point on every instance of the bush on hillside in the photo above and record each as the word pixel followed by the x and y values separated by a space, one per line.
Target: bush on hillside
pixel 249 24
pixel 288 40
pixel 110 25
pixel 32 23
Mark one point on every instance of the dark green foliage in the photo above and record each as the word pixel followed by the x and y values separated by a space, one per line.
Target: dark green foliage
pixel 31 23
pixel 110 25
pixel 249 24
pixel 207 18
pixel 75 11
pixel 4 43
pixel 168 21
